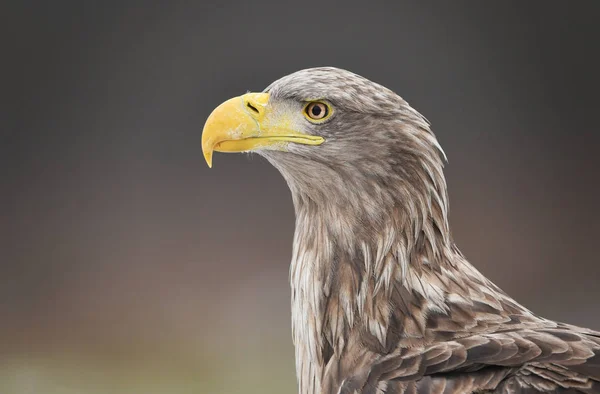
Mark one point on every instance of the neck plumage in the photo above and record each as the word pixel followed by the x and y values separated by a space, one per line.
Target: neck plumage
pixel 352 254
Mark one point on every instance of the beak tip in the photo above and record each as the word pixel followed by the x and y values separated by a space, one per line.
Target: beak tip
pixel 208 158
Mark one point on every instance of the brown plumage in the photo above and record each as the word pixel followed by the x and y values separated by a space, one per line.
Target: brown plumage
pixel 382 299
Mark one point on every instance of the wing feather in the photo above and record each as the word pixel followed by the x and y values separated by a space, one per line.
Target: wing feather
pixel 522 361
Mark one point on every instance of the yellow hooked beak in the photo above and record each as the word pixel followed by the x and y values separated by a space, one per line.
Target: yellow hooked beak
pixel 239 125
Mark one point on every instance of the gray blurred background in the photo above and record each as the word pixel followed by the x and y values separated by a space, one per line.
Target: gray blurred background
pixel 127 266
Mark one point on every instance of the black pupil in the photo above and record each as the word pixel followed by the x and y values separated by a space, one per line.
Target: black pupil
pixel 316 110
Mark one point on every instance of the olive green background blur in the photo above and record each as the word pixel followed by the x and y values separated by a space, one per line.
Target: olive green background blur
pixel 127 266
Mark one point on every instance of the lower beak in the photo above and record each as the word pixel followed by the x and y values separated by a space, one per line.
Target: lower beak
pixel 237 125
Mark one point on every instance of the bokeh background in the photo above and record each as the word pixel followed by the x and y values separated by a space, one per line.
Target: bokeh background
pixel 127 266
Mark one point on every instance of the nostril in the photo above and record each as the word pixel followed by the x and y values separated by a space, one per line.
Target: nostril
pixel 252 107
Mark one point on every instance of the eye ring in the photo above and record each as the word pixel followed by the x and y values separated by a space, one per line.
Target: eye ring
pixel 317 111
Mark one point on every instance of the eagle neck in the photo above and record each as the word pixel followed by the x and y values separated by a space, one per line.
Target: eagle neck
pixel 344 270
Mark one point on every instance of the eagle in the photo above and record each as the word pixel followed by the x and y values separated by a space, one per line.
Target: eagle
pixel 382 299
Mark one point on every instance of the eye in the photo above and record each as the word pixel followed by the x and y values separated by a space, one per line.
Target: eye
pixel 317 111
